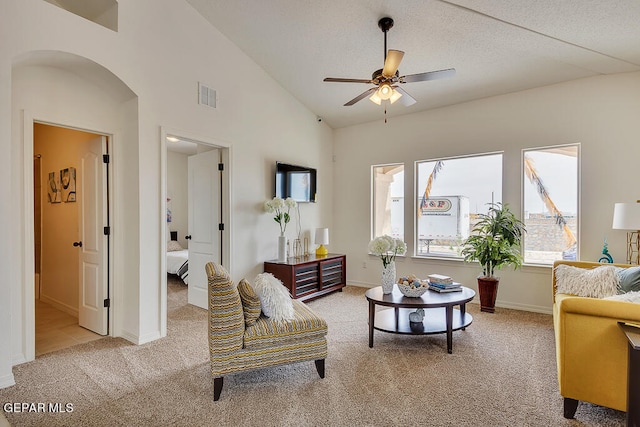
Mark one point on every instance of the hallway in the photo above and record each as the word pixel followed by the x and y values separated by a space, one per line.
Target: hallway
pixel 56 330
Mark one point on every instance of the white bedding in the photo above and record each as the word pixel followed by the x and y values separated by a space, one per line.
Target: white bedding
pixel 175 260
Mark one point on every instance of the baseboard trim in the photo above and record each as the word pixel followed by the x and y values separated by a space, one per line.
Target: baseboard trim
pixel 142 339
pixel 129 336
pixel 149 337
pixel 361 284
pixel 7 381
pixel 524 307
pixel 72 311
pixel 18 359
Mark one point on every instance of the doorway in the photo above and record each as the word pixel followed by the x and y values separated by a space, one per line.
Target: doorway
pixel 195 180
pixel 70 202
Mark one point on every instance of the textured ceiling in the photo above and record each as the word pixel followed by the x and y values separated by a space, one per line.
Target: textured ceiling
pixel 496 46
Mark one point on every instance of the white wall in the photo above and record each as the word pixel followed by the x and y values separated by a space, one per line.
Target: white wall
pixel 7 286
pixel 177 190
pixel 601 113
pixel 161 66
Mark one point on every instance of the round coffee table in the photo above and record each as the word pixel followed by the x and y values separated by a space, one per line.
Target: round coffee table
pixel 440 316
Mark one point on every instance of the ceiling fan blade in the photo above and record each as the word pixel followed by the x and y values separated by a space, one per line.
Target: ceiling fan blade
pixel 429 75
pixel 361 96
pixel 392 62
pixel 339 80
pixel 405 99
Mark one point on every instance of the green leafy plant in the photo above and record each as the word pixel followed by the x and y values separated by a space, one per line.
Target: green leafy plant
pixel 495 240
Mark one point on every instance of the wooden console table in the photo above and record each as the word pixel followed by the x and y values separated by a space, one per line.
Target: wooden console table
pixel 309 277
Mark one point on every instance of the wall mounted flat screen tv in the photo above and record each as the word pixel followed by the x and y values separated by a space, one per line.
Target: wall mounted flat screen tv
pixel 297 182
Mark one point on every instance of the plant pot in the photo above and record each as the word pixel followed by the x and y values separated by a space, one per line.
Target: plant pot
pixel 488 289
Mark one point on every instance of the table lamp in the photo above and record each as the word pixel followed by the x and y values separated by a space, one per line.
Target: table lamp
pixel 322 238
pixel 626 216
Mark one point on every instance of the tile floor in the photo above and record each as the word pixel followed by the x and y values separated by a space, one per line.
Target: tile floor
pixel 56 329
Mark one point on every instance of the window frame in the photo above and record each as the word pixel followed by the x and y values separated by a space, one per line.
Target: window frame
pixel 523 178
pixel 372 230
pixel 416 240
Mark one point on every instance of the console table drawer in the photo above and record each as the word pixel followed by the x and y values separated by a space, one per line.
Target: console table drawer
pixel 310 277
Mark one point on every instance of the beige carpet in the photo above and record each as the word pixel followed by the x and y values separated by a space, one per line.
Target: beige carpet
pixel 501 373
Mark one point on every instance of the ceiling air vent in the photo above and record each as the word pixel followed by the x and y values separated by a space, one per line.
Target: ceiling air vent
pixel 206 96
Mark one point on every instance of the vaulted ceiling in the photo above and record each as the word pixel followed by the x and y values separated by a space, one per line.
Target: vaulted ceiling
pixel 496 46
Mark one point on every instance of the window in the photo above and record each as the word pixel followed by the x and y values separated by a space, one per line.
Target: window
pixel 550 191
pixel 388 200
pixel 450 194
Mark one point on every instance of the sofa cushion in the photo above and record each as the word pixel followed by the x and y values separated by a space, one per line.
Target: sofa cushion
pixel 250 303
pixel 274 297
pixel 303 325
pixel 629 279
pixel 633 296
pixel 226 319
pixel 598 282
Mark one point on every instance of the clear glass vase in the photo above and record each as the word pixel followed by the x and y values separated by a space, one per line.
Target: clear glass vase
pixel 388 277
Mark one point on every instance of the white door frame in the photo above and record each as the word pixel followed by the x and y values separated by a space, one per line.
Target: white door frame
pixel 225 154
pixel 28 237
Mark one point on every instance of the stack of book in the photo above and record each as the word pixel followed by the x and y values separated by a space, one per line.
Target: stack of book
pixel 440 283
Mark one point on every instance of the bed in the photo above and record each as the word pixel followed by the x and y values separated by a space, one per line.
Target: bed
pixel 177 259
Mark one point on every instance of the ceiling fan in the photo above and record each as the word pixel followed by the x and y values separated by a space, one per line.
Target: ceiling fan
pixel 386 80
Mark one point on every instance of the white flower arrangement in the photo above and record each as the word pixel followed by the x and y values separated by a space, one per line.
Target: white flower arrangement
pixel 278 206
pixel 387 247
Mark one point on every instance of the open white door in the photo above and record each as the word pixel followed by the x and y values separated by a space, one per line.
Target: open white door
pixel 91 195
pixel 204 217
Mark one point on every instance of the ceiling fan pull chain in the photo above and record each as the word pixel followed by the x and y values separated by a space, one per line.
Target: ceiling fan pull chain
pixel 385 113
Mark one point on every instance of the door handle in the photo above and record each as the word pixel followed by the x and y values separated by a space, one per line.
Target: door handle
pixel 188 237
pixel 77 244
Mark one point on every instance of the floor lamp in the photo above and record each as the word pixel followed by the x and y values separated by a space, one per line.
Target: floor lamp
pixel 626 216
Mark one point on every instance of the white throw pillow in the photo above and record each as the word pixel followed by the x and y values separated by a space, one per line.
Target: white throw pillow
pixel 633 296
pixel 274 297
pixel 597 282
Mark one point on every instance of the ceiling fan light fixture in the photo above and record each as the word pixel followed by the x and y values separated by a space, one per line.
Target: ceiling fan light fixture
pixel 375 98
pixel 385 91
pixel 395 96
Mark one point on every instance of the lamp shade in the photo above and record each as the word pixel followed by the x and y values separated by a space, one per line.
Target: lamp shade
pixel 626 216
pixel 395 96
pixel 385 92
pixel 322 236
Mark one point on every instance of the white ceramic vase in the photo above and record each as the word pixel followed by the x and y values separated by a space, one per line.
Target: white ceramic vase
pixel 388 277
pixel 282 248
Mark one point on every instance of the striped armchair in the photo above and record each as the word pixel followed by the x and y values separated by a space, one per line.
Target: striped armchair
pixel 235 347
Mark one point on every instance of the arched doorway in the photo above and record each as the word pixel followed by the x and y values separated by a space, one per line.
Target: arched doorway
pixel 75 93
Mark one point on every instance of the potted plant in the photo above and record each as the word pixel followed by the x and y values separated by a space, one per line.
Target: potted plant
pixel 495 242
pixel 281 208
pixel 387 247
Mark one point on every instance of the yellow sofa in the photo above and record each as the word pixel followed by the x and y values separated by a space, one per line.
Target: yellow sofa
pixel 591 349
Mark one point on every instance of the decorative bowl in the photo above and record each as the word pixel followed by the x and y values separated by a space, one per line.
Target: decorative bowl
pixel 411 291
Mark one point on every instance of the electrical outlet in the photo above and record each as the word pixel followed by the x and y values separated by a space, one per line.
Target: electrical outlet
pixel 364 264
